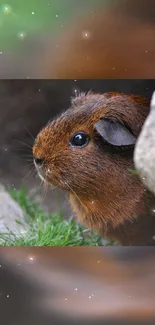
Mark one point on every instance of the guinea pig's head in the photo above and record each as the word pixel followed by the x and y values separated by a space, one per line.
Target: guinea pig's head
pixel 84 145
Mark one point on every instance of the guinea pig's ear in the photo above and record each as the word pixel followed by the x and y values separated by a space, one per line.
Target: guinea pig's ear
pixel 115 133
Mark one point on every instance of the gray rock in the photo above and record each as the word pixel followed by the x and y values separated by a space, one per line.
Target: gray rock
pixel 12 218
pixel 144 154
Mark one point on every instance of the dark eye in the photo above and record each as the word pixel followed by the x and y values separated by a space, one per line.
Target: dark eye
pixel 79 139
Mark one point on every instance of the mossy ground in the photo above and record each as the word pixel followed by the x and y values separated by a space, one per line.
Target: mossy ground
pixel 48 229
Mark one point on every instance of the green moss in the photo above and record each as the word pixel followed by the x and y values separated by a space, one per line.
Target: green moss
pixel 48 229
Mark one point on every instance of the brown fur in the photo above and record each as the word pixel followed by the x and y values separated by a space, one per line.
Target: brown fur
pixel 104 194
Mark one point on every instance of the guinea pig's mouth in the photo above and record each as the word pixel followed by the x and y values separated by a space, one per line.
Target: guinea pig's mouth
pixel 50 176
pixel 46 175
pixel 42 172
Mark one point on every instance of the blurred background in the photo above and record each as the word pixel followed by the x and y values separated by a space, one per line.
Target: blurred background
pixel 77 39
pixel 77 285
pixel 25 107
pixel 69 39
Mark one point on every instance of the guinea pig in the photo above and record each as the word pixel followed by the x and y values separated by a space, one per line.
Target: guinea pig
pixel 88 152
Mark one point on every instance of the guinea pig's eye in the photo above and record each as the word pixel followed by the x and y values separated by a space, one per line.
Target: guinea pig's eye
pixel 79 139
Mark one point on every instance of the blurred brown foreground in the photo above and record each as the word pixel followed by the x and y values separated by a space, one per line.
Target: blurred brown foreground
pixel 77 285
pixel 116 41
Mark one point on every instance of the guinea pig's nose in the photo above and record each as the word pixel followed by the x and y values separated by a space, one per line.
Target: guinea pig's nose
pixel 39 161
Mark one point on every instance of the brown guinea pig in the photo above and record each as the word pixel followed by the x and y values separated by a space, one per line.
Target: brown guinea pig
pixel 88 151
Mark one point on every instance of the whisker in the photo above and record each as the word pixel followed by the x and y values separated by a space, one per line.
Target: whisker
pixel 53 187
pixel 48 107
pixel 26 144
pixel 65 195
pixel 29 164
pixel 28 159
pixel 31 172
pixel 23 138
pixel 45 188
pixel 75 194
pixel 26 155
pixel 29 133
pixel 22 150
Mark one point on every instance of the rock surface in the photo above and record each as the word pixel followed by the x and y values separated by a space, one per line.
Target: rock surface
pixel 144 155
pixel 12 218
